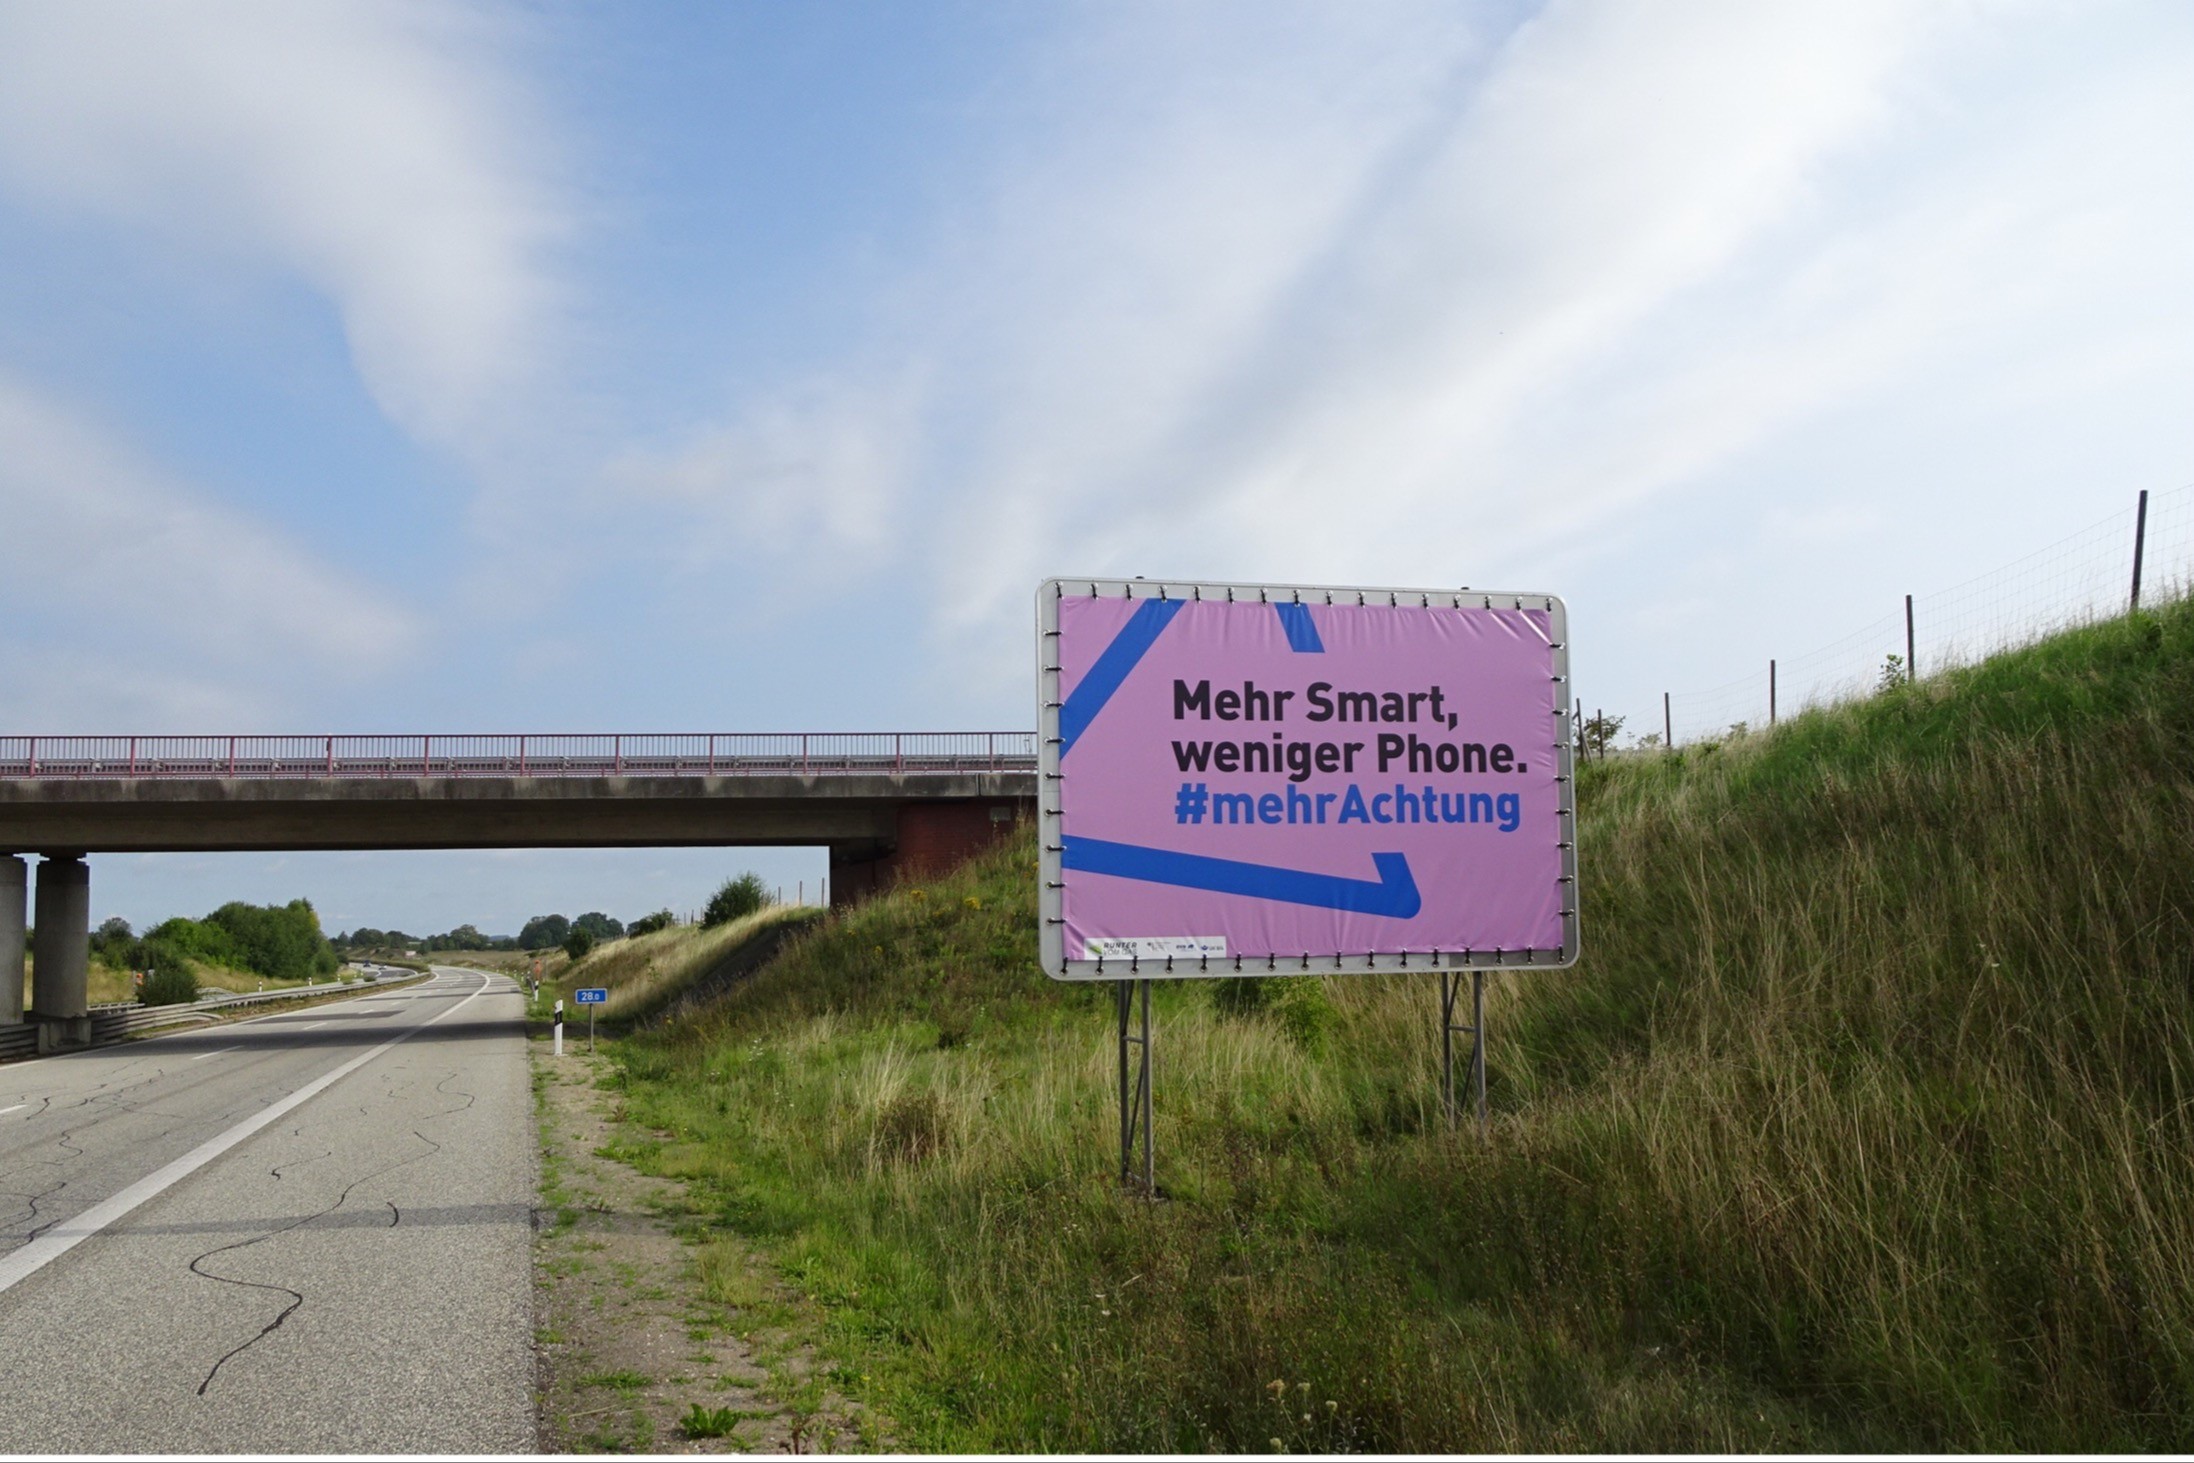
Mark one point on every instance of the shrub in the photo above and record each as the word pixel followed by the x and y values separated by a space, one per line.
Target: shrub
pixel 648 924
pixel 170 978
pixel 738 898
pixel 1306 1010
pixel 578 943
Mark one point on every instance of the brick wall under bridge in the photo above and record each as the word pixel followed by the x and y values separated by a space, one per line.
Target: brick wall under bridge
pixel 932 838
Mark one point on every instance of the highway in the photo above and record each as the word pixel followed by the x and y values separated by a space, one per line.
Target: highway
pixel 309 1232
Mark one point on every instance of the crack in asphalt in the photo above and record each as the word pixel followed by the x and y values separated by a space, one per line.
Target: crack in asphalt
pixel 276 1171
pixel 297 1298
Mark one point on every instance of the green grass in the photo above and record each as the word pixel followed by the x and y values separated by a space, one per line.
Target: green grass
pixel 1867 1122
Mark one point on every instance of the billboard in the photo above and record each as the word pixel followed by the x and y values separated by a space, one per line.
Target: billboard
pixel 1268 779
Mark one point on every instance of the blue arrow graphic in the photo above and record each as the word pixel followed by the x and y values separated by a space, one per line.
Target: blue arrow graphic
pixel 1393 893
pixel 1102 679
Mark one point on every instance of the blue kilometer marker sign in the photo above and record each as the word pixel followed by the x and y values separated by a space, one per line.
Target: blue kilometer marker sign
pixel 592 996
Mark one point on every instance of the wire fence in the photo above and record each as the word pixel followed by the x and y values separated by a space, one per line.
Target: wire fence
pixel 2085 577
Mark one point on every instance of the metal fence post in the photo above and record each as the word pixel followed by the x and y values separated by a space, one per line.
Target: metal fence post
pixel 1912 654
pixel 1771 692
pixel 2140 541
pixel 1668 721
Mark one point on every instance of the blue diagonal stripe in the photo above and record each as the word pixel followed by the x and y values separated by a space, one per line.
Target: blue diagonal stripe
pixel 1393 893
pixel 1302 630
pixel 1127 648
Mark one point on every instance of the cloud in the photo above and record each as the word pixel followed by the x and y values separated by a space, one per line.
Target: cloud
pixel 1454 279
pixel 113 576
pixel 377 152
pixel 1401 294
pixel 819 463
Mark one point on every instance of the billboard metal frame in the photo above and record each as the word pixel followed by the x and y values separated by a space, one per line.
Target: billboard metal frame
pixel 1051 696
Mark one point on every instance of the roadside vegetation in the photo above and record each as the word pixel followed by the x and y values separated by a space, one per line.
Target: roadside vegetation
pixel 1866 1123
pixel 644 975
pixel 238 947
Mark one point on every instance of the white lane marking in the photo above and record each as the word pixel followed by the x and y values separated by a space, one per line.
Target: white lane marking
pixel 17 1108
pixel 314 1027
pixel 27 1260
pixel 221 1053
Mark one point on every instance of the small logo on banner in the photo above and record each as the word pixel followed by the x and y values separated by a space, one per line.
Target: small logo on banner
pixel 1159 947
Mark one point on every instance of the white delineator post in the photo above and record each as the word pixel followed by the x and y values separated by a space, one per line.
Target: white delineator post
pixel 559 1028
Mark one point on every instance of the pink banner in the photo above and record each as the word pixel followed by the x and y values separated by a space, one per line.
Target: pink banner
pixel 1261 781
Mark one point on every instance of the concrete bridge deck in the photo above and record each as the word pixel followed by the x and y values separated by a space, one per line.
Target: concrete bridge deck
pixel 885 804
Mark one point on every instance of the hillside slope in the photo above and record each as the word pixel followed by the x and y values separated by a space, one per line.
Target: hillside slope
pixel 1867 1122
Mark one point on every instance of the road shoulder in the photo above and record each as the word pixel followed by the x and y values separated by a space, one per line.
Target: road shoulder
pixel 645 1313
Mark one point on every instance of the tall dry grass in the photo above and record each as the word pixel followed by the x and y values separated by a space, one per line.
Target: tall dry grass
pixel 645 973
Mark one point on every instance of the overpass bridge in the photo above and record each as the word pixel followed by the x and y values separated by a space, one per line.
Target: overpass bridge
pixel 885 804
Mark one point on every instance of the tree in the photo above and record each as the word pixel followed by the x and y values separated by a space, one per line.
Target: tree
pixel 1600 733
pixel 599 925
pixel 738 898
pixel 578 943
pixel 114 944
pixel 544 932
pixel 648 924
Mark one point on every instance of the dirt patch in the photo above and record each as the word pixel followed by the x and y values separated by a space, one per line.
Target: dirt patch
pixel 643 1314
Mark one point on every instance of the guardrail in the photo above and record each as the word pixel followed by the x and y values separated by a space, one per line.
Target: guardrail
pixel 608 754
pixel 113 1019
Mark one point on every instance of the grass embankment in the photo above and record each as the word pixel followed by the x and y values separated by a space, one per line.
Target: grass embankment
pixel 646 973
pixel 1867 1122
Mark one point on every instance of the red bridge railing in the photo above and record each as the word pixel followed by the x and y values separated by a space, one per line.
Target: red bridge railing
pixel 610 754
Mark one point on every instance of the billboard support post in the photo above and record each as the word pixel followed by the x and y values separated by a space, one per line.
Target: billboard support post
pixel 1451 991
pixel 1135 1087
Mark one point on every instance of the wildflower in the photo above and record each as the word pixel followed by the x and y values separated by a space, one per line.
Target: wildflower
pixel 917 894
pixel 972 902
pixel 1276 1388
pixel 1332 1406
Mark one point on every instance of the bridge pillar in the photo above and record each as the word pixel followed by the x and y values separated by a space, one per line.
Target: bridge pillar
pixel 61 959
pixel 14 886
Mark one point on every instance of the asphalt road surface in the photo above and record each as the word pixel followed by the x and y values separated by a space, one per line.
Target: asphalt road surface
pixel 304 1233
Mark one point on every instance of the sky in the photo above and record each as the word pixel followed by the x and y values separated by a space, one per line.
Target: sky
pixel 406 367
